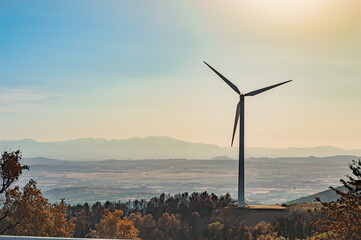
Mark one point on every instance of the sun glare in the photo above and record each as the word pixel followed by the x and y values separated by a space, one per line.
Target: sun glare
pixel 286 6
pixel 284 10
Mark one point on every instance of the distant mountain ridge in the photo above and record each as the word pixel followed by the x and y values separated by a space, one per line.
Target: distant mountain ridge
pixel 153 148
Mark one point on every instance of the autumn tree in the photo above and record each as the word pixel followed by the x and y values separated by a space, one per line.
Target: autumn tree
pixel 216 231
pixel 239 231
pixel 61 226
pixel 264 231
pixel 113 226
pixel 10 171
pixel 343 217
pixel 32 215
pixel 145 224
pixel 28 210
pixel 168 227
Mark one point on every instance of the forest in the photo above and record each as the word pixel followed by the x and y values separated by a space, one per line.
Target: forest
pixel 188 216
pixel 180 216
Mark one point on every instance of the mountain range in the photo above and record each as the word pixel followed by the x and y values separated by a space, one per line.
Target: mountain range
pixel 153 148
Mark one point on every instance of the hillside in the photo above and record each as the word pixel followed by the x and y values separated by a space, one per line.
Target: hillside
pixel 325 196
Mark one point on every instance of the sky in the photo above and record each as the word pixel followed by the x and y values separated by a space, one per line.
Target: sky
pixel 121 69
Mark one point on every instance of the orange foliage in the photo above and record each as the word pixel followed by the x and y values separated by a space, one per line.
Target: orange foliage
pixel 343 217
pixel 170 227
pixel 264 231
pixel 61 226
pixel 112 226
pixel 216 230
pixel 10 169
pixel 145 224
pixel 32 215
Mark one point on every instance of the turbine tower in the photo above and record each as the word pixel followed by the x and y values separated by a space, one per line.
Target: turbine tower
pixel 240 115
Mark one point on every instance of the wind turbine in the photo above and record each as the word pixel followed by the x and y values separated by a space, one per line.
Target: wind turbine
pixel 240 115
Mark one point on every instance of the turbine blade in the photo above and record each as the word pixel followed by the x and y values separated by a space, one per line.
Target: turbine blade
pixel 224 79
pixel 253 93
pixel 236 121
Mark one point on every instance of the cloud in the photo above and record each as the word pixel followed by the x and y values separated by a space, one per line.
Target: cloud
pixel 19 100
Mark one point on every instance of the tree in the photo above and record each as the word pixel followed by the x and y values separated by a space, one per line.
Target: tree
pixel 225 201
pixel 216 231
pixel 297 227
pixel 264 231
pixel 168 227
pixel 32 215
pixel 145 224
pixel 61 226
pixel 195 223
pixel 112 226
pixel 343 217
pixel 239 231
pixel 82 222
pixel 10 171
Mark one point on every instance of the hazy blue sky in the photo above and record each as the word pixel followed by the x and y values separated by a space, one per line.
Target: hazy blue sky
pixel 118 69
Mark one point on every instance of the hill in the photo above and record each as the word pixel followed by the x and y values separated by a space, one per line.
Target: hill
pixel 325 196
pixel 153 148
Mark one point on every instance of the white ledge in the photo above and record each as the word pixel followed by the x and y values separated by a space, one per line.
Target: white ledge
pixel 7 237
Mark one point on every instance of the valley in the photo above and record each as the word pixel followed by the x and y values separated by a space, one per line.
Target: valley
pixel 268 180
